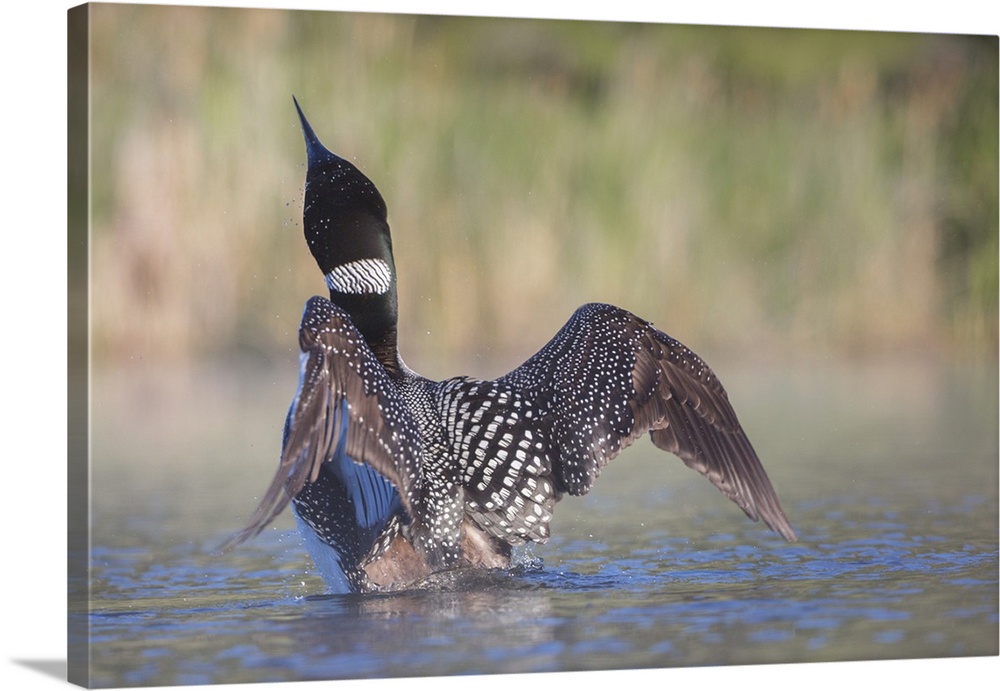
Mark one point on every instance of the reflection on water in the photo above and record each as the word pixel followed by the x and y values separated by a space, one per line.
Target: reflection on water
pixel 889 474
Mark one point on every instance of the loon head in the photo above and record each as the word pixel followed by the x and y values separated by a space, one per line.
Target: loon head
pixel 346 228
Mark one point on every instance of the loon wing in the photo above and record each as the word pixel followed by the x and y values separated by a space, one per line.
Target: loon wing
pixel 342 513
pixel 608 377
pixel 346 408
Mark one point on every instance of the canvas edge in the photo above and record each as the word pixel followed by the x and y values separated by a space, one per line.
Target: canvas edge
pixel 78 351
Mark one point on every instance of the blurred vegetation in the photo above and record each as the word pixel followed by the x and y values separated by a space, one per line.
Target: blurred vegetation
pixel 764 191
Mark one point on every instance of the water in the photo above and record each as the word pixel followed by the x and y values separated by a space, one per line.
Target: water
pixel 887 471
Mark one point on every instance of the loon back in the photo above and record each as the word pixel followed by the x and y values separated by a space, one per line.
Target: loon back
pixel 454 473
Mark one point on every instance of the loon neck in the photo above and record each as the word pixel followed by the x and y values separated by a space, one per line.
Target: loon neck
pixel 375 318
pixel 388 354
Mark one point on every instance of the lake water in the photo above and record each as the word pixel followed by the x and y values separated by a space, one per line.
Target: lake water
pixel 888 472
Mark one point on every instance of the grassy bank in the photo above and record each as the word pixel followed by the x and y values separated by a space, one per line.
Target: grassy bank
pixel 757 190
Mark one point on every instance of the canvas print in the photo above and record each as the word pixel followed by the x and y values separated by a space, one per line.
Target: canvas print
pixel 407 345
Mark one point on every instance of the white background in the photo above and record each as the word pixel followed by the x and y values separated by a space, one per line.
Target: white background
pixel 33 295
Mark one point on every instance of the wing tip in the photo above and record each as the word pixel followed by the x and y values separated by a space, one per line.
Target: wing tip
pixel 236 539
pixel 784 529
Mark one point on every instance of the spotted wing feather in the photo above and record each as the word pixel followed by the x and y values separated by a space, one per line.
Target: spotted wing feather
pixel 498 440
pixel 345 398
pixel 608 377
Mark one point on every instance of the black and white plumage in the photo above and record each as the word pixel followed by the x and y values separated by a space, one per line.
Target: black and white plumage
pixel 393 476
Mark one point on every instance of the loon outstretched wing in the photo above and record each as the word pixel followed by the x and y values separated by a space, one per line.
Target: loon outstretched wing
pixel 346 408
pixel 608 377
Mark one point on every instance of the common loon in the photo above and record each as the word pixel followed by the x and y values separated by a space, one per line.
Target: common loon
pixel 393 477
